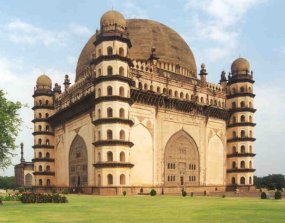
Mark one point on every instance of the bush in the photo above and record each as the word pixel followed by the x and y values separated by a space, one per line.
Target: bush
pixel 264 195
pixel 205 193
pixel 13 197
pixel 192 194
pixel 21 189
pixel 184 194
pixel 43 198
pixel 223 196
pixel 152 192
pixel 124 193
pixel 278 195
pixel 65 191
pixel 53 190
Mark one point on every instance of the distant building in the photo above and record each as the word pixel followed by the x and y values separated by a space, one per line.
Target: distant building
pixel 139 116
pixel 24 171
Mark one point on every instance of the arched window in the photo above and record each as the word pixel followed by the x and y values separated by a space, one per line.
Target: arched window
pixel 250 89
pixel 122 179
pixel 234 105
pixel 250 149
pixel 110 179
pixel 99 157
pixel 47 168
pixel 99 72
pixel 234 165
pixel 170 92
pixel 242 164
pixel 47 155
pixel 250 118
pixel 40 141
pixel 109 91
pixel 176 93
pixel 234 134
pixel 242 180
pixel 151 87
pixel 46 115
pixel 122 157
pixel 234 149
pixel 109 156
pixel 187 96
pixel 109 112
pixel 99 113
pixel 250 180
pixel 40 128
pixel 121 52
pixel 164 91
pixel 242 133
pixel 122 113
pixel 48 182
pixel 99 52
pixel 40 102
pixel 250 164
pixel 181 95
pixel 242 118
pixel 40 155
pixel 158 90
pixel 242 104
pixel 250 104
pixel 241 89
pixel 109 134
pixel 234 120
pixel 46 102
pixel 40 115
pixel 122 92
pixel 122 135
pixel 145 87
pixel 233 90
pixel 242 149
pixel 140 85
pixel 47 142
pixel 40 182
pixel 47 128
pixel 40 168
pixel 110 70
pixel 99 180
pixel 202 100
pixel 121 71
pixel 99 135
pixel 99 92
pixel 250 133
pixel 233 180
pixel 109 50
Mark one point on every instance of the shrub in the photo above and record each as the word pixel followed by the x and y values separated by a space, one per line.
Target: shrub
pixel 9 197
pixel 43 198
pixel 184 194
pixel 21 189
pixel 278 195
pixel 65 191
pixel 124 193
pixel 53 190
pixel 264 195
pixel 205 193
pixel 192 194
pixel 223 196
pixel 152 192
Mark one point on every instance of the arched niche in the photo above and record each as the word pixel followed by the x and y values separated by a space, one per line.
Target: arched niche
pixel 181 161
pixel 78 163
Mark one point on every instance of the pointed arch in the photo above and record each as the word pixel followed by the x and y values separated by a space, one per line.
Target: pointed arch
pixel 78 162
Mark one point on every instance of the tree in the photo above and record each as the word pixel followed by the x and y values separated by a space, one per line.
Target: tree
pixel 271 182
pixel 7 182
pixel 9 128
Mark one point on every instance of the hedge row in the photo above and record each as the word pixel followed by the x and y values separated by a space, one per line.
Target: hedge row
pixel 43 198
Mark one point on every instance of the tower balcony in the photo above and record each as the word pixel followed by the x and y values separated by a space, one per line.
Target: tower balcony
pixel 241 94
pixel 242 139
pixel 240 170
pixel 113 121
pixel 50 107
pixel 241 124
pixel 235 155
pixel 113 164
pixel 44 173
pixel 43 146
pixel 113 143
pixel 114 77
pixel 43 159
pixel 245 109
pixel 241 78
pixel 43 133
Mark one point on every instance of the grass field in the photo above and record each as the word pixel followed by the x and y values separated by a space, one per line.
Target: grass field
pixel 160 209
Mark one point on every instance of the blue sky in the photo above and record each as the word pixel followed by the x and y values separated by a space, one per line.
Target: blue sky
pixel 47 36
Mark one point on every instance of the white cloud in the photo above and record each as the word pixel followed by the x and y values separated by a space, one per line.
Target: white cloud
pixel 218 22
pixel 132 10
pixel 80 30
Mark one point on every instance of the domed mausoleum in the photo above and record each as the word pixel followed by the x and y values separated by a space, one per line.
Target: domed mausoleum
pixel 140 116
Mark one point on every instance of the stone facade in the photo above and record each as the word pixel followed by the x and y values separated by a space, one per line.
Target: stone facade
pixel 138 117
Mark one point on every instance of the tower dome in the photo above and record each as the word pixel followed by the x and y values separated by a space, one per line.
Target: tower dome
pixel 44 81
pixel 240 66
pixel 113 18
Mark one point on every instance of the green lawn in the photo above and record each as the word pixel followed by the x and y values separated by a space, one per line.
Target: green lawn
pixel 160 209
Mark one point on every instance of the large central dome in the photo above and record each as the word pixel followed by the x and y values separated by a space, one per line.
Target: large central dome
pixel 145 34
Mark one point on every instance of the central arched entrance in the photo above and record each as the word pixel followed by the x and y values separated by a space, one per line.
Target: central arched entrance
pixel 181 161
pixel 78 163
